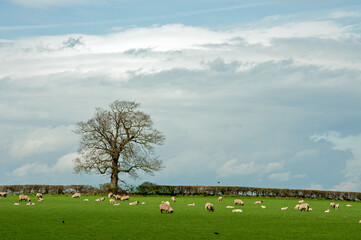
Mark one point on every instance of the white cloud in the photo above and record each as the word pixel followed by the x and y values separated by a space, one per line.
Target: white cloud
pixel 347 186
pixel 42 140
pixel 346 14
pixel 285 176
pixel 234 167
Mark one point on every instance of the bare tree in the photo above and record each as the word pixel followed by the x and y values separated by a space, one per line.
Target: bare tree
pixel 119 140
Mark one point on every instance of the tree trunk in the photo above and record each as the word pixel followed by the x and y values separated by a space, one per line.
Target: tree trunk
pixel 114 181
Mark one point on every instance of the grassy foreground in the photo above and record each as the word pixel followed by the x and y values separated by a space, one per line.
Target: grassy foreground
pixel 101 220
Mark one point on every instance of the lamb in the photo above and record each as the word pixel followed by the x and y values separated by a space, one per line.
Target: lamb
pixel 16 204
pixel 86 200
pixel 337 206
pixel 39 195
pixel 348 205
pixel 110 195
pixel 143 203
pixel 304 206
pixel 100 199
pixel 332 205
pixel 220 199
pixel 258 202
pixel 124 198
pixel 173 199
pixel 297 206
pixel 30 203
pixel 164 206
pixel 209 207
pixel 112 201
pixel 237 210
pixel 263 206
pixel 40 200
pixel 134 203
pixel 284 208
pixel 191 204
pixel 301 201
pixel 3 194
pixel 238 202
pixel 76 195
pixel 24 198
pixel 327 211
pixel 117 197
pixel 229 207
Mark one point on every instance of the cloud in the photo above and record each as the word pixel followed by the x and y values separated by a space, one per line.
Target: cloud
pixel 346 14
pixel 234 167
pixel 285 176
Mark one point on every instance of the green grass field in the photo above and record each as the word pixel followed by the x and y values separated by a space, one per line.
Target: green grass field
pixel 101 220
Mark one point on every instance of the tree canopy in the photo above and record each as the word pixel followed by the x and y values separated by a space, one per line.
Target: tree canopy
pixel 119 140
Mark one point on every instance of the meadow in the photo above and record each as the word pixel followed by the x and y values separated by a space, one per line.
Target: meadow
pixel 61 217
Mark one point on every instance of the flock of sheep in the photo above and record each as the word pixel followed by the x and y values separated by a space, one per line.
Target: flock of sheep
pixel 166 207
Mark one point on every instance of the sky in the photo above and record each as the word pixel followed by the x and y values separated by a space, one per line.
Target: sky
pixel 247 93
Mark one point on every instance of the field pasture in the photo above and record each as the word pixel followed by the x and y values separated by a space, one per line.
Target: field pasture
pixel 61 217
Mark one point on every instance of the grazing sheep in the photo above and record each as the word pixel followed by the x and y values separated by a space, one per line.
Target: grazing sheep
pixel 165 207
pixel 258 202
pixel 100 199
pixel 39 195
pixel 238 202
pixel 209 207
pixel 112 201
pixel 3 194
pixel 297 206
pixel 191 204
pixel 337 206
pixel 237 210
pixel 229 207
pixel 30 203
pixel 220 199
pixel 110 195
pixel 124 198
pixel 332 205
pixel 16 204
pixel 117 197
pixel 327 211
pixel 24 198
pixel 263 206
pixel 284 208
pixel 76 195
pixel 40 200
pixel 134 203
pixel 348 205
pixel 301 201
pixel 173 199
pixel 304 206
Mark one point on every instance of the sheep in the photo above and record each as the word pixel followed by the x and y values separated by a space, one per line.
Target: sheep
pixel 310 209
pixel 86 200
pixel 76 195
pixel 30 203
pixel 24 198
pixel 112 201
pixel 164 206
pixel 40 200
pixel 191 204
pixel 229 207
pixel 39 195
pixel 297 206
pixel 301 201
pixel 134 203
pixel 304 206
pixel 238 202
pixel 220 199
pixel 116 204
pixel 284 208
pixel 327 211
pixel 209 207
pixel 348 205
pixel 258 202
pixel 337 206
pixel 100 199
pixel 237 210
pixel 143 203
pixel 110 195
pixel 332 205
pixel 3 194
pixel 173 199
pixel 124 198
pixel 117 197
pixel 359 221
pixel 263 206
pixel 16 204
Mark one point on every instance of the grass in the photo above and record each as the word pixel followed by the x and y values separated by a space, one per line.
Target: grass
pixel 101 220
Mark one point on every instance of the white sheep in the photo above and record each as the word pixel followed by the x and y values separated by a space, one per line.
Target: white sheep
pixel 337 206
pixel 40 200
pixel 304 206
pixel 284 208
pixel 310 209
pixel 220 199
pixel 124 198
pixel 134 203
pixel 327 211
pixel 100 199
pixel 359 221
pixel 237 210
pixel 173 199
pixel 297 206
pixel 229 207
pixel 16 204
pixel 112 201
pixel 117 197
pixel 348 205
pixel 39 195
pixel 86 200
pixel 3 194
pixel 191 204
pixel 258 202
pixel 76 195
pixel 238 202
pixel 209 207
pixel 332 205
pixel 116 204
pixel 263 206
pixel 143 203
pixel 301 201
pixel 24 198
pixel 164 206
pixel 110 195
pixel 30 204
